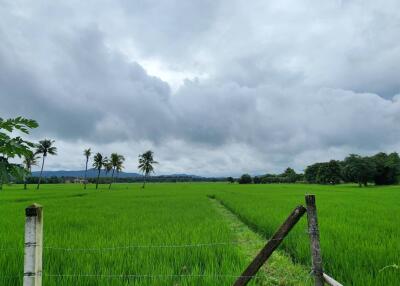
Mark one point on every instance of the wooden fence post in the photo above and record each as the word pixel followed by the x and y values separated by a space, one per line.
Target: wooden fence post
pixel 33 245
pixel 314 240
pixel 271 245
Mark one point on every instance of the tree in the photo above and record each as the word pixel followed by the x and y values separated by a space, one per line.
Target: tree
pixel 387 168
pixel 98 162
pixel 87 153
pixel 45 147
pixel 29 161
pixel 257 180
pixel 311 172
pixel 146 162
pixel 11 147
pixel 245 179
pixel 329 173
pixel 358 169
pixel 230 180
pixel 116 164
pixel 290 175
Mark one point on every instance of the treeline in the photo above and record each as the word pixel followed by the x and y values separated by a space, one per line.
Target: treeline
pixel 107 180
pixel 380 169
pixel 288 176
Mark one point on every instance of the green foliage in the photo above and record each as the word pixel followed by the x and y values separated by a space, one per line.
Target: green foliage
pixel 329 173
pixel 11 147
pixel 29 161
pixel 116 164
pixel 311 173
pixel 245 179
pixel 45 147
pixel 98 163
pixel 117 161
pixel 87 153
pixel 382 169
pixel 146 162
pixel 357 169
pixel 230 180
pixel 387 168
pixel 257 180
pixel 290 175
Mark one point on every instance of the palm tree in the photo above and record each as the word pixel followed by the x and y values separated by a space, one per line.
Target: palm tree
pixel 87 153
pixel 146 162
pixel 29 161
pixel 98 162
pixel 115 163
pixel 45 148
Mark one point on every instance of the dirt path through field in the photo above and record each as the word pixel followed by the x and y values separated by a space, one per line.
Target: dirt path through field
pixel 280 270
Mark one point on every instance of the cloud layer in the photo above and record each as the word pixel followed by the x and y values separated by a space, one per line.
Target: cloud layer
pixel 213 87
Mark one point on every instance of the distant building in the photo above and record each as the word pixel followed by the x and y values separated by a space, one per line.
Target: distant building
pixel 80 181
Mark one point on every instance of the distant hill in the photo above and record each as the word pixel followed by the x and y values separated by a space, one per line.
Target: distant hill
pixel 91 173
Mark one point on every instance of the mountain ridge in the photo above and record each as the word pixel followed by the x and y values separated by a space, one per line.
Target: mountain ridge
pixel 92 173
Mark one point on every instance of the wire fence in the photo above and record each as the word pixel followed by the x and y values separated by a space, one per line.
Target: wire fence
pixel 34 241
pixel 149 246
pixel 215 276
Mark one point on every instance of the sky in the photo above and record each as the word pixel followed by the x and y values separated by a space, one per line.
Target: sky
pixel 213 87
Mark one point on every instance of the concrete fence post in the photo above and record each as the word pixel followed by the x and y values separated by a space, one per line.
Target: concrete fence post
pixel 33 245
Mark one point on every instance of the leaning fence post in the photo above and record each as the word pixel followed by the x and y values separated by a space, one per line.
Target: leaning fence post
pixel 33 245
pixel 270 247
pixel 314 240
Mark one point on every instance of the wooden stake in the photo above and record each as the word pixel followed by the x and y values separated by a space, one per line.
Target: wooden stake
pixel 33 245
pixel 314 240
pixel 271 245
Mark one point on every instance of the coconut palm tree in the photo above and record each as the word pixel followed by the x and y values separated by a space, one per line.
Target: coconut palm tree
pixel 29 161
pixel 87 153
pixel 116 164
pixel 146 162
pixel 98 163
pixel 45 147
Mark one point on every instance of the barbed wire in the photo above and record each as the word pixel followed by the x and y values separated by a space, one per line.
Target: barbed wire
pixel 150 275
pixel 186 245
pixel 194 245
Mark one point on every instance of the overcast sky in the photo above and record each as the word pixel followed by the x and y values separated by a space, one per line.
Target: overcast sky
pixel 212 87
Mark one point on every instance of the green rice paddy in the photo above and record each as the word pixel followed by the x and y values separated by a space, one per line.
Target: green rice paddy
pixel 173 234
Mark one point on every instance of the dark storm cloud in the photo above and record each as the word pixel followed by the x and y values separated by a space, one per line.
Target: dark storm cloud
pixel 264 84
pixel 88 92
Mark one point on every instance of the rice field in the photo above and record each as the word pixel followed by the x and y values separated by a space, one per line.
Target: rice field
pixel 171 234
pixel 359 227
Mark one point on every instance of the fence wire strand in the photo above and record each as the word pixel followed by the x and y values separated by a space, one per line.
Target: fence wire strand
pixel 147 246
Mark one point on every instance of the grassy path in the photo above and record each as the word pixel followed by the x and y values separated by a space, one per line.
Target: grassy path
pixel 280 270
